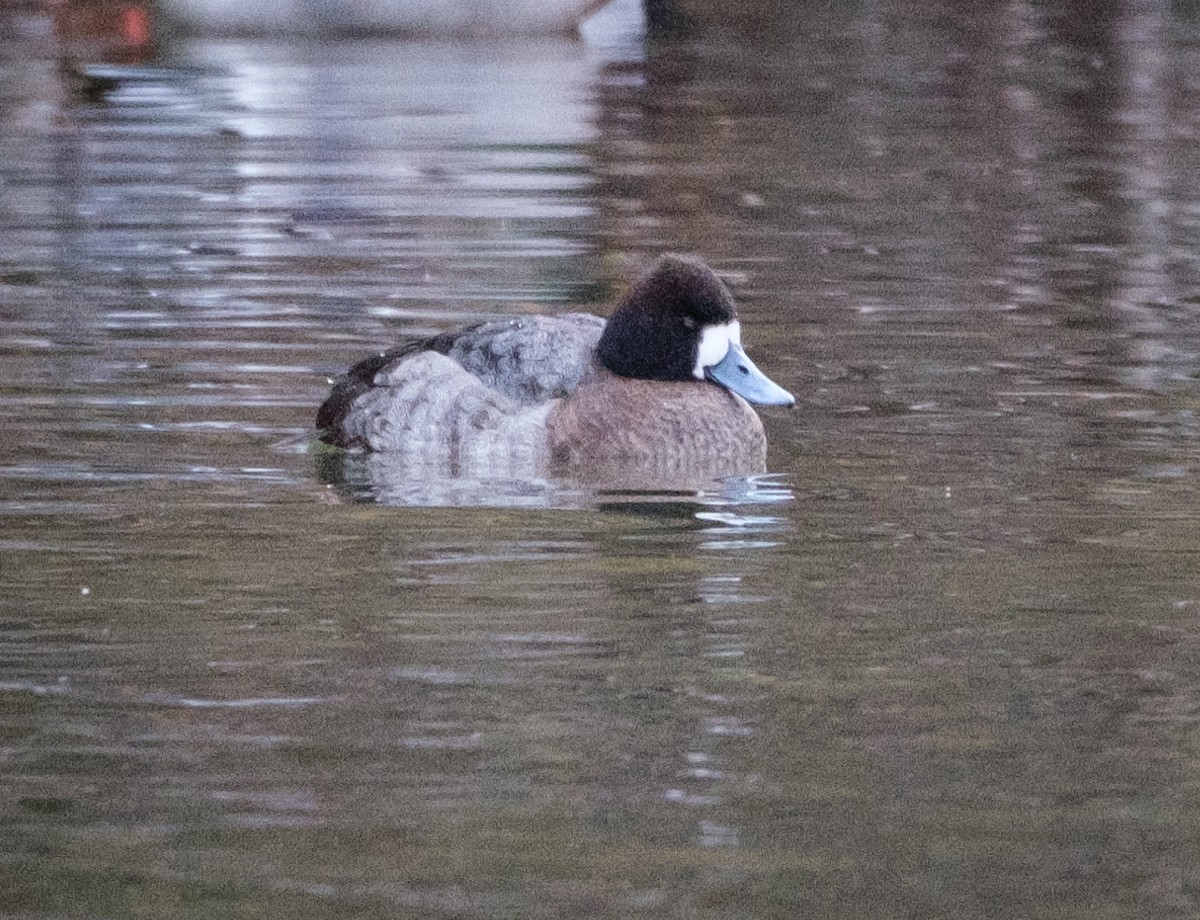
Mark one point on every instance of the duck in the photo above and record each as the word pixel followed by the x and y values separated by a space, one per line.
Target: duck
pixel 658 394
pixel 474 19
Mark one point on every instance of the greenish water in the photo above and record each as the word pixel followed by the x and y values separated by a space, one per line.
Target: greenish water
pixel 944 661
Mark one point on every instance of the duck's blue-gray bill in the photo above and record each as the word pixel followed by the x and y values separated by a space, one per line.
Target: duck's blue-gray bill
pixel 738 373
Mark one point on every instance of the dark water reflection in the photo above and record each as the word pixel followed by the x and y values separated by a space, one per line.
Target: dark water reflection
pixel 944 661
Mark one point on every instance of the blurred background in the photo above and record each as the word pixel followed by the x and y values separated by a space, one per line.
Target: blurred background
pixel 943 661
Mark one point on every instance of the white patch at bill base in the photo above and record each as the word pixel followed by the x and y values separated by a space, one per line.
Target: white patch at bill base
pixel 714 345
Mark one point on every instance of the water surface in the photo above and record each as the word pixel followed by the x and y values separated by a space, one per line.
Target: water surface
pixel 943 661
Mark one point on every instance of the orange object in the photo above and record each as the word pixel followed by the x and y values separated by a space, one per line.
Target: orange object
pixel 104 29
pixel 135 25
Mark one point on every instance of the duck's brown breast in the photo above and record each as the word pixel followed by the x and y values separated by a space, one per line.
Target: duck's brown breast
pixel 621 430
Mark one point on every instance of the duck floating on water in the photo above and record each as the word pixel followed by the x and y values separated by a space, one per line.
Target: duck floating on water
pixel 658 394
pixel 458 18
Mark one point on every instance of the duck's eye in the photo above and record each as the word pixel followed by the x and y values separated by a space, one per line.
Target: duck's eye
pixel 689 323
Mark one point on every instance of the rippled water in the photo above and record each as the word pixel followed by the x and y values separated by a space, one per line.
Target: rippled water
pixel 943 661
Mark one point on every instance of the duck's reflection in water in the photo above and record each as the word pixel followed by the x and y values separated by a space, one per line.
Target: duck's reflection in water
pixel 395 478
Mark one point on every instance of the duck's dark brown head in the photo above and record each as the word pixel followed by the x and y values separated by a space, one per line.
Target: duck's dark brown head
pixel 679 322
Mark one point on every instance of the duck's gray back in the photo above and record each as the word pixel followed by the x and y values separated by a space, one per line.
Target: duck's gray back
pixel 468 400
pixel 531 359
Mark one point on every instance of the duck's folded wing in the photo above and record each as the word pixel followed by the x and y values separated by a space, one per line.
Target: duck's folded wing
pixel 429 408
pixel 530 360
